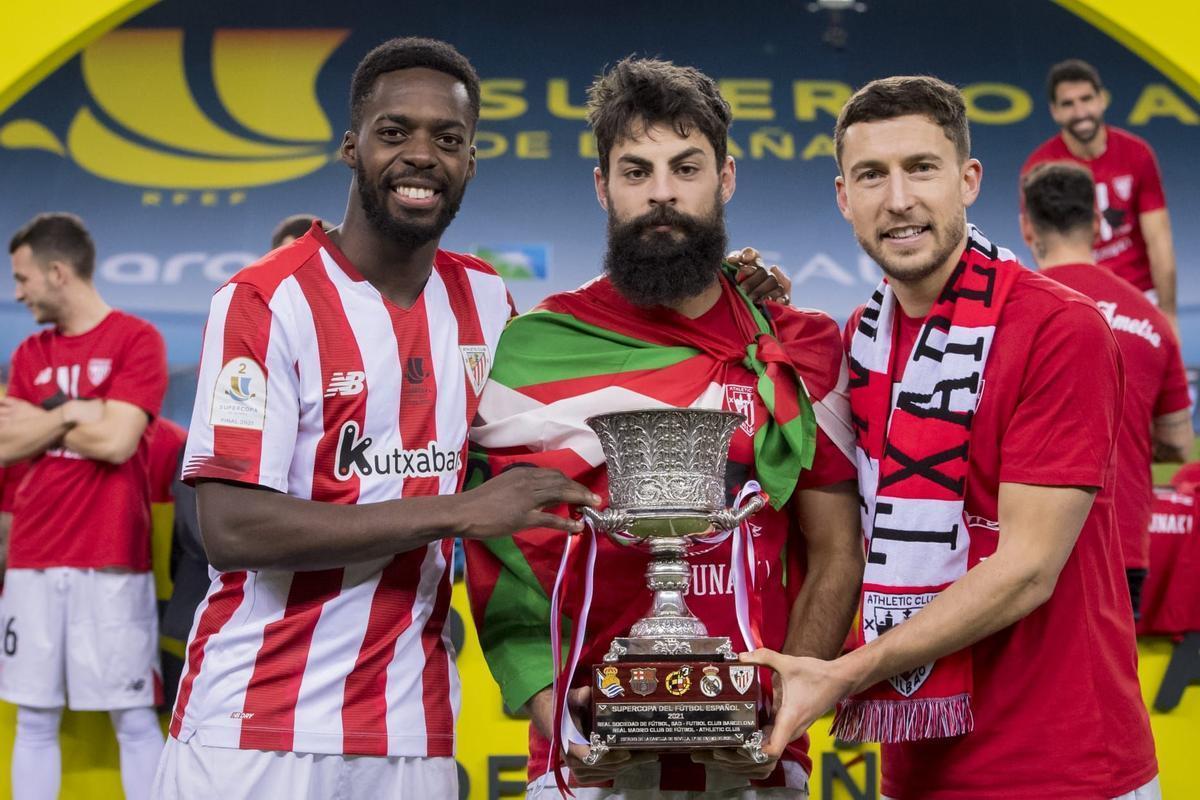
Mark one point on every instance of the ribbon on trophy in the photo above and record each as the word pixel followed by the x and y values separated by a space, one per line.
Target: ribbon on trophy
pixel 747 609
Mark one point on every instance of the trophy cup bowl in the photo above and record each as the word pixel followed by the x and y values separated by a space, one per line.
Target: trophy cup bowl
pixel 666 477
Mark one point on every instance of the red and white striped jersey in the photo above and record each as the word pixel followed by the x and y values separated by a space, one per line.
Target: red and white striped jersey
pixel 311 383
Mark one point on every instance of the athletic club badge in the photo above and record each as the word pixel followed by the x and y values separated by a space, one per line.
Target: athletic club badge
pixel 475 359
pixel 741 399
pixel 881 613
pixel 679 681
pixel 609 683
pixel 643 680
pixel 711 684
pixel 741 678
pixel 1123 186
pixel 98 369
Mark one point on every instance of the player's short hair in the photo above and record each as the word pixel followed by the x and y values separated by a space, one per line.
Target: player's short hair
pixel 409 53
pixel 902 96
pixel 641 92
pixel 1073 70
pixel 58 236
pixel 1060 197
pixel 292 227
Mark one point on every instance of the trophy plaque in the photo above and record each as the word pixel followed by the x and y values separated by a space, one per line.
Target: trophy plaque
pixel 669 685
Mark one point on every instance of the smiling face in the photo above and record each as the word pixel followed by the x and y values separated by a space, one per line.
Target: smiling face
pixel 665 199
pixel 412 155
pixel 905 191
pixel 1078 108
pixel 35 287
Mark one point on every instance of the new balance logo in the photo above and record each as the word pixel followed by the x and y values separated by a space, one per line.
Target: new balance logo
pixel 346 384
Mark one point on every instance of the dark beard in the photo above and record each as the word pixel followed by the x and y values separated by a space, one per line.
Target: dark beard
pixel 955 230
pixel 409 235
pixel 658 269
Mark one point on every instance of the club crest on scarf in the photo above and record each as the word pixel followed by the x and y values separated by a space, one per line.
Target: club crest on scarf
pixel 881 613
pixel 741 399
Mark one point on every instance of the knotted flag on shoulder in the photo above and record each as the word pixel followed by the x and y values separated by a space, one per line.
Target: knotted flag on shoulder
pixel 912 455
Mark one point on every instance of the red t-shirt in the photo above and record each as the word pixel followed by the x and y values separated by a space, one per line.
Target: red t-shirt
pixel 1155 384
pixel 10 479
pixel 72 511
pixel 166 440
pixel 620 571
pixel 1171 594
pixel 1128 183
pixel 1058 713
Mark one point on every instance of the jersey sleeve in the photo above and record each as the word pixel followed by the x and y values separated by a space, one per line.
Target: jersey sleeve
pixel 140 377
pixel 1150 194
pixel 1069 408
pixel 247 406
pixel 20 382
pixel 1173 392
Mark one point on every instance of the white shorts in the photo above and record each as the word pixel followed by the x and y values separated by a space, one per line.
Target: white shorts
pixel 1150 791
pixel 84 638
pixel 193 771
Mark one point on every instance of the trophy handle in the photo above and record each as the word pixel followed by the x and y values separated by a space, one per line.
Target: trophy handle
pixel 611 521
pixel 728 519
pixel 753 746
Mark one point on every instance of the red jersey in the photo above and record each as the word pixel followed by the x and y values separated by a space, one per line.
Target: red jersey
pixel 10 479
pixel 1171 594
pixel 1155 384
pixel 166 442
pixel 72 511
pixel 1128 183
pixel 1050 690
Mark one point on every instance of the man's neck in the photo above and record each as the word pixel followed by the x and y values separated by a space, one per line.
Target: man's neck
pixel 698 305
pixel 1087 150
pixel 917 297
pixel 82 312
pixel 397 271
pixel 1062 251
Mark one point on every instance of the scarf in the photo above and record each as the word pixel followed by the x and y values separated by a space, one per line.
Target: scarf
pixel 912 456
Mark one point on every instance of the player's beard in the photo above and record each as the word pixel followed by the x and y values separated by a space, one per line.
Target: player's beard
pixel 655 268
pixel 948 237
pixel 1073 128
pixel 408 234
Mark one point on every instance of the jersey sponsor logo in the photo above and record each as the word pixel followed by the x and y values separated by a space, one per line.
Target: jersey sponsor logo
pixel 643 680
pixel 475 359
pixel 98 369
pixel 741 677
pixel 356 457
pixel 609 683
pixel 240 396
pixel 741 399
pixel 710 684
pixel 346 384
pixel 679 681
pixel 1127 324
pixel 43 376
pixel 881 613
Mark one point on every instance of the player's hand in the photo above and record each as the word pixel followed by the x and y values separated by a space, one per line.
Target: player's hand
pixel 810 687
pixel 610 765
pixel 82 412
pixel 514 500
pixel 736 761
pixel 757 280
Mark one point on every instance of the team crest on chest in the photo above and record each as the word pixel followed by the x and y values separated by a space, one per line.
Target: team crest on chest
pixel 475 359
pixel 1123 186
pixel 98 369
pixel 740 398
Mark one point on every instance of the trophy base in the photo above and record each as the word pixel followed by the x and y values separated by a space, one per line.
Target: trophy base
pixel 696 700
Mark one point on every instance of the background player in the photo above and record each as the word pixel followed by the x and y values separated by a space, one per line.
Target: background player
pixel 1059 223
pixel 1134 235
pixel 79 592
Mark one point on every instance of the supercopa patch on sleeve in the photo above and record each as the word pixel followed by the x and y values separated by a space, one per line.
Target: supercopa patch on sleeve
pixel 240 395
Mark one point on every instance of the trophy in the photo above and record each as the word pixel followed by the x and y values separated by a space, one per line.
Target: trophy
pixel 669 685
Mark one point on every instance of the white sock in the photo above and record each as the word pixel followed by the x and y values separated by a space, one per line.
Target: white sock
pixel 141 741
pixel 37 757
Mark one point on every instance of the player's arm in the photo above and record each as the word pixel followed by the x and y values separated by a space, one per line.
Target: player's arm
pixel 821 615
pixel 1040 525
pixel 246 527
pixel 1173 436
pixel 1156 229
pixel 27 431
pixel 113 437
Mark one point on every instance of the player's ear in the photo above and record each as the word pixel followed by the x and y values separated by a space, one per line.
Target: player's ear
pixel 348 151
pixel 601 187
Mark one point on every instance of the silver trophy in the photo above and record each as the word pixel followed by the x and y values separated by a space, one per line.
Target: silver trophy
pixel 669 685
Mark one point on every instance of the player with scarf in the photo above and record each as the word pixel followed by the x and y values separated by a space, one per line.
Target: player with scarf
pixel 997 655
pixel 667 326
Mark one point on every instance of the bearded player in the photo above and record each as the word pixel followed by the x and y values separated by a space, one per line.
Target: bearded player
pixel 666 325
pixel 999 657
pixel 1134 235
pixel 1058 222
pixel 338 377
